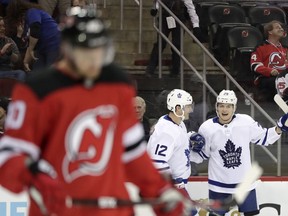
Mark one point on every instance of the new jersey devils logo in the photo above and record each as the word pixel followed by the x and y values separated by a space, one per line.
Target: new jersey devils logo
pixel 276 61
pixel 89 142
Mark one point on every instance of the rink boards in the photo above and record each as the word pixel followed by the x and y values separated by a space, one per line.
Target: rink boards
pixel 271 192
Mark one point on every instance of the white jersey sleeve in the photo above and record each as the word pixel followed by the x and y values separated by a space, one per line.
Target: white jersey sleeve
pixel 192 13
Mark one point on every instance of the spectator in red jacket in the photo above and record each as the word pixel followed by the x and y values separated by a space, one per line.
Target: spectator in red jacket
pixel 269 59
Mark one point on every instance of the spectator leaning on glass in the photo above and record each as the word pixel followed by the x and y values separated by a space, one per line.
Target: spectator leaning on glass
pixel 269 59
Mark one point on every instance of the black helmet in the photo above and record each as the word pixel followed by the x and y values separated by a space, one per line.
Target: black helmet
pixel 83 28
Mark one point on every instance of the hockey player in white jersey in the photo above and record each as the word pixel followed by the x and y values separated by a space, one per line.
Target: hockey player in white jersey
pixel 228 137
pixel 169 145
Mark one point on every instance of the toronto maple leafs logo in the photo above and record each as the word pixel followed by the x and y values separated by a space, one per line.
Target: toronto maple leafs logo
pixel 231 156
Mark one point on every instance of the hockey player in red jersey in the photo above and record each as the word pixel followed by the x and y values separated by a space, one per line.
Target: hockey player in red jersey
pixel 72 132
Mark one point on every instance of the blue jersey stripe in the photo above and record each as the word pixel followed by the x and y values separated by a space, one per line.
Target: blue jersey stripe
pixel 220 184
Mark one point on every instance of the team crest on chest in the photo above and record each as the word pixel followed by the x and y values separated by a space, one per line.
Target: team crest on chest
pixel 89 142
pixel 232 156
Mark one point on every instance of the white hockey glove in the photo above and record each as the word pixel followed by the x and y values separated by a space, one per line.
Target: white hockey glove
pixel 282 123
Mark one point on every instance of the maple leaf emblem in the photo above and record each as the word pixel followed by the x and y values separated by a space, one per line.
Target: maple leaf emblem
pixel 231 157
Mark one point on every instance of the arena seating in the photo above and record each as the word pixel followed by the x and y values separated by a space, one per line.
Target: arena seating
pixel 233 28
pixel 241 41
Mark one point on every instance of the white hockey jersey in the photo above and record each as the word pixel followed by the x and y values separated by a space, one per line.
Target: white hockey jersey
pixel 228 149
pixel 168 147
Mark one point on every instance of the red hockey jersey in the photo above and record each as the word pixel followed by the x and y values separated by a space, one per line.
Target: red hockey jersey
pixel 268 57
pixel 89 134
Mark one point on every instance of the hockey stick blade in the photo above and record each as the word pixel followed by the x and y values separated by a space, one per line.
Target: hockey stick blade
pixel 281 103
pixel 243 188
pixel 37 197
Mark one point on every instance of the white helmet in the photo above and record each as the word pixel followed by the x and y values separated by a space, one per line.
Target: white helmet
pixel 178 97
pixel 227 96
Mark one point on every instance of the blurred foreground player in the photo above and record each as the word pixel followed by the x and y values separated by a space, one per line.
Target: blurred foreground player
pixel 71 131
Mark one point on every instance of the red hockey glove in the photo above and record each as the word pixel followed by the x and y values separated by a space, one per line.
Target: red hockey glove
pixel 45 188
pixel 173 202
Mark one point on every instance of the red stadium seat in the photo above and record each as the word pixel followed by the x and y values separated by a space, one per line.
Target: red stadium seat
pixel 260 15
pixel 242 42
pixel 221 19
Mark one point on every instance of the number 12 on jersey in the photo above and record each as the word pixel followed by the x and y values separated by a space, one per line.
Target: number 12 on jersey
pixel 161 150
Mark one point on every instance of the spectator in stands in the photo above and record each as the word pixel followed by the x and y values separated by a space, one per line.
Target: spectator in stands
pixel 140 108
pixel 281 84
pixel 4 101
pixel 9 56
pixel 21 40
pixel 179 8
pixel 269 59
pixel 44 36
pixel 78 3
pixel 50 5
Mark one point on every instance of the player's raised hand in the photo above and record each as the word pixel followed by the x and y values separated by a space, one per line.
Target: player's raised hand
pixel 196 142
pixel 45 189
pixel 282 123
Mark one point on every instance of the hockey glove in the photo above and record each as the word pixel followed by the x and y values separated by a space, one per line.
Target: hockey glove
pixel 45 189
pixel 173 202
pixel 283 123
pixel 199 35
pixel 196 142
pixel 153 12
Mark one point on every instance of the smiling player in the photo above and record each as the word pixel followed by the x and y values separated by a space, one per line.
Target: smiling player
pixel 227 147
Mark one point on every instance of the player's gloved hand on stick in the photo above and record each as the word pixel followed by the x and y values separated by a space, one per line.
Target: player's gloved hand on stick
pixel 45 188
pixel 173 202
pixel 197 142
pixel 282 123
pixel 153 12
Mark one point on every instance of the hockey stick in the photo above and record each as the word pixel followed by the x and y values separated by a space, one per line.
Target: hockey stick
pixel 240 195
pixel 243 188
pixel 37 197
pixel 281 103
pixel 112 202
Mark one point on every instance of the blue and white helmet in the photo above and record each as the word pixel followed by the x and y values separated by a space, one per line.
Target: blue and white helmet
pixel 178 97
pixel 227 96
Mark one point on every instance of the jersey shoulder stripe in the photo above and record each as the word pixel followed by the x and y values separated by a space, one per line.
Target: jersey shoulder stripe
pixel 50 80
